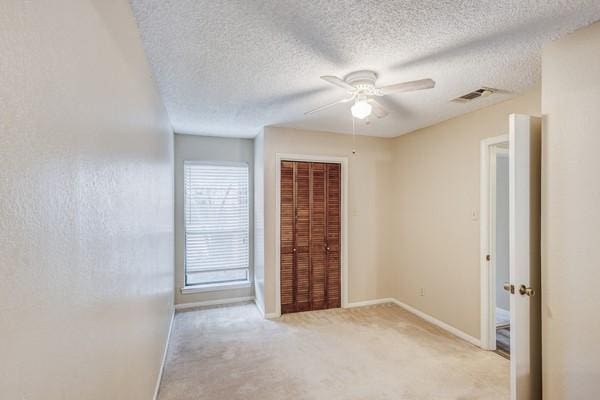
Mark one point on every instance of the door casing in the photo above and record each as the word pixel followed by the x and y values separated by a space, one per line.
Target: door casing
pixel 487 268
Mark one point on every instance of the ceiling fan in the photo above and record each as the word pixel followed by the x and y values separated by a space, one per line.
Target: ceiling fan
pixel 360 86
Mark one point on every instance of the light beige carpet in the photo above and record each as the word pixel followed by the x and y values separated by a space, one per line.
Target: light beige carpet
pixel 370 353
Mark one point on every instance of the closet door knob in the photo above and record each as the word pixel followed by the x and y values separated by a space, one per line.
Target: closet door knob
pixel 294 250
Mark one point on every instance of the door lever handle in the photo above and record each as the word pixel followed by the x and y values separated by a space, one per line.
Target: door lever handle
pixel 508 287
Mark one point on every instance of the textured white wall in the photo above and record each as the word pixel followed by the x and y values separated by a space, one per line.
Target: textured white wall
pixel 207 148
pixel 86 205
pixel 571 216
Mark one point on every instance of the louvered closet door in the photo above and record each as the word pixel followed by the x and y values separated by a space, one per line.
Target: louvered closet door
pixel 334 224
pixel 302 236
pixel 287 237
pixel 318 227
pixel 310 236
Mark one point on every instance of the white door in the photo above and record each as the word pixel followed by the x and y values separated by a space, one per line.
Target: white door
pixel 524 244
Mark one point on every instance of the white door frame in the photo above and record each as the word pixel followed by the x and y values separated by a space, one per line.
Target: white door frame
pixel 486 238
pixel 343 161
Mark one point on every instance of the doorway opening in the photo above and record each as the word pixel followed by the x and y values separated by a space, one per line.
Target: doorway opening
pixel 495 244
pixel 500 253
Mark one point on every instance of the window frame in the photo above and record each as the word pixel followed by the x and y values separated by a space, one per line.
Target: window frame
pixel 210 286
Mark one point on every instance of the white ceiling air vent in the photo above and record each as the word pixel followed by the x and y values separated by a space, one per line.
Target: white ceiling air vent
pixel 481 92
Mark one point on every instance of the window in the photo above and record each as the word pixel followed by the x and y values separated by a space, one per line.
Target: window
pixel 217 217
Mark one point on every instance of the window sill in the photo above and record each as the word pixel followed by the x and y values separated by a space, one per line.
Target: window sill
pixel 215 287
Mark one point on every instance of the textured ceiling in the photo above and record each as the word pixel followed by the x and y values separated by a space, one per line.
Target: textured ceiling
pixel 227 68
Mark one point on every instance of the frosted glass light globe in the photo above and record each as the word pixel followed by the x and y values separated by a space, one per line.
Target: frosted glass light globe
pixel 361 109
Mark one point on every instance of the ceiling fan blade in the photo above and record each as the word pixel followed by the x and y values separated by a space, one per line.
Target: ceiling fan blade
pixel 379 110
pixel 407 86
pixel 326 106
pixel 334 80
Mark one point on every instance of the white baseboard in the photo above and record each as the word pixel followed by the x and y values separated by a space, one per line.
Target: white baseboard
pixel 164 358
pixel 369 303
pixel 449 328
pixel 213 302
pixel 455 331
pixel 263 313
pixel 259 307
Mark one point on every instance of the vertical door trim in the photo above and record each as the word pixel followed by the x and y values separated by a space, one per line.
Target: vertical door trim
pixel 487 279
pixel 343 161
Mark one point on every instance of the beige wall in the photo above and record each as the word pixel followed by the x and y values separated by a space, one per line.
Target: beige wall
pixel 436 187
pixel 410 203
pixel 207 148
pixel 369 196
pixel 571 216
pixel 86 205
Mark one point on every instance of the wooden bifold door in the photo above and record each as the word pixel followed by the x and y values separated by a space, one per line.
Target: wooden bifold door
pixel 310 236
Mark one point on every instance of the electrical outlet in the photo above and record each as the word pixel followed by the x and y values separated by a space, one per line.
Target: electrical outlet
pixel 422 291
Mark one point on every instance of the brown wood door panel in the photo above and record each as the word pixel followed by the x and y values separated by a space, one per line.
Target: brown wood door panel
pixel 333 280
pixel 302 235
pixel 310 225
pixel 287 212
pixel 333 235
pixel 318 227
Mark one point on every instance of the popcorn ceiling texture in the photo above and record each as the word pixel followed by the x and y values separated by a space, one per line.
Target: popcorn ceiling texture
pixel 230 67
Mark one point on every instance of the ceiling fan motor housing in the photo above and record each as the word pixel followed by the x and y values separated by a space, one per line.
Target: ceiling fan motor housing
pixel 364 81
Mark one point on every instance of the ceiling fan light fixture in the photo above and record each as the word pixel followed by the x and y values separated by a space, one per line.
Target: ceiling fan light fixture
pixel 361 109
pixel 360 86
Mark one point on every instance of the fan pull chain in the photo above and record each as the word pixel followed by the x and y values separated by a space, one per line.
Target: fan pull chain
pixel 353 135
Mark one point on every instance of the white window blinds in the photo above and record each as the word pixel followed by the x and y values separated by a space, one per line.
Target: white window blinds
pixel 216 223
